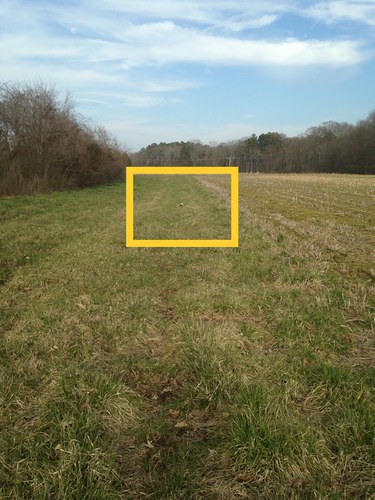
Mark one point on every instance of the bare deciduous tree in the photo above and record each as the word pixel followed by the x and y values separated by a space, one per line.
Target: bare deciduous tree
pixel 45 145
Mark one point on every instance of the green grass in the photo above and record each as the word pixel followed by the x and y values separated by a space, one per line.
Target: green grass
pixel 189 373
pixel 170 207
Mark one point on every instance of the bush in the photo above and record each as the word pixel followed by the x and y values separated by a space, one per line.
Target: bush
pixel 45 145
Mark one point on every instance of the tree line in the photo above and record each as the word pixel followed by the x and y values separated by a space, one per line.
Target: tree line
pixel 46 145
pixel 330 147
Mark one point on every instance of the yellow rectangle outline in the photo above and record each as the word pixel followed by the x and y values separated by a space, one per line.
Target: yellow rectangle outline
pixel 132 171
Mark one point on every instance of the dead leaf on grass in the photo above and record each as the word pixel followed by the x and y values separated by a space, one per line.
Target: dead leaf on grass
pixel 181 425
pixel 173 413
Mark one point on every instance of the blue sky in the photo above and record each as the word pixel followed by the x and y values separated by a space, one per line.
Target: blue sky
pixel 214 70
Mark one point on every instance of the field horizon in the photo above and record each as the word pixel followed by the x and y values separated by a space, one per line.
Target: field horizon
pixel 169 373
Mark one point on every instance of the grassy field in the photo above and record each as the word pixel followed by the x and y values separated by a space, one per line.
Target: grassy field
pixel 189 373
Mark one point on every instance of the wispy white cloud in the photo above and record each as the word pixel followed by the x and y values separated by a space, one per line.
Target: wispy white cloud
pixel 241 23
pixel 339 10
pixel 168 85
pixel 165 43
pixel 238 15
pixel 132 99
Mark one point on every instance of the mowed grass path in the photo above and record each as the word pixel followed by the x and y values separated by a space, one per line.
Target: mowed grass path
pixel 189 373
pixel 172 207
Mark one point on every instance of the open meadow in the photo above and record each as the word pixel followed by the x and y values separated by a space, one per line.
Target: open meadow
pixel 190 372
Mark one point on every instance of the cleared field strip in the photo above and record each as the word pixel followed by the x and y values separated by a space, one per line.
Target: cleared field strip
pixel 335 212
